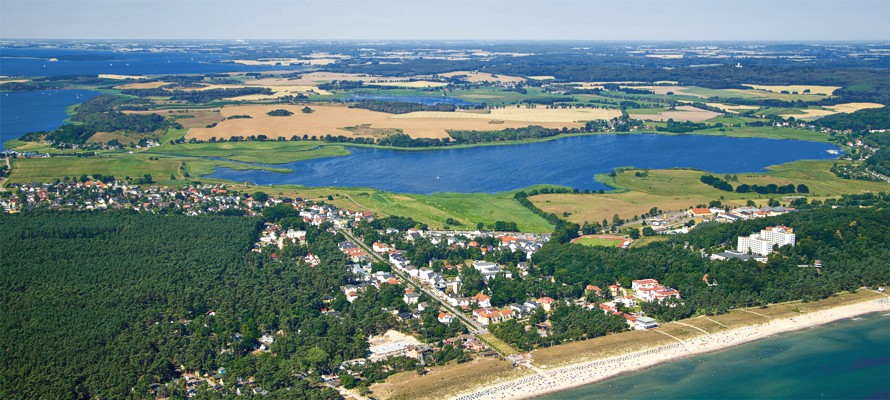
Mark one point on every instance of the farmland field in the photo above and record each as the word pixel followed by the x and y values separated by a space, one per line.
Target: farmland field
pixel 680 189
pixel 336 120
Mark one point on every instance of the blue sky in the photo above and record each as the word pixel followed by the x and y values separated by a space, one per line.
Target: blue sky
pixel 705 20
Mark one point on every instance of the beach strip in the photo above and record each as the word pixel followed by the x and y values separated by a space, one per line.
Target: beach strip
pixel 546 381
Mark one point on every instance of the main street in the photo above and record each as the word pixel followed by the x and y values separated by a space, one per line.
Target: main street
pixel 473 326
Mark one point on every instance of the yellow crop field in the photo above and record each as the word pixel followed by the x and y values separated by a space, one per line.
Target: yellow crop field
pixel 853 107
pixel 357 122
pixel 813 89
pixel 477 77
pixel 845 108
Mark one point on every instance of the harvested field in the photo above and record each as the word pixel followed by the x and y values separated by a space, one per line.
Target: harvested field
pixel 105 137
pixel 338 120
pixel 683 113
pixel 813 89
pixel 477 77
pixel 278 91
pixel 189 118
pixel 853 107
pixel 121 77
pixel 142 85
pixel 814 113
pixel 809 114
pixel 732 107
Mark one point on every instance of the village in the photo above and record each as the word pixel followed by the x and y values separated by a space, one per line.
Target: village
pixel 379 257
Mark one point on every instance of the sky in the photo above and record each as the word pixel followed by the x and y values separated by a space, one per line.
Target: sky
pixel 644 20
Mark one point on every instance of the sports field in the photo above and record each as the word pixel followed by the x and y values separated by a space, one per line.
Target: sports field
pixel 600 240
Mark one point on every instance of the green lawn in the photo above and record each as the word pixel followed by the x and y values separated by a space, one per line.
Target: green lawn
pixel 48 169
pixel 592 241
pixel 270 152
pixel 466 208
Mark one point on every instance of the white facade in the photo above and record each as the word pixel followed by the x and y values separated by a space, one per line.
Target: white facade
pixel 762 243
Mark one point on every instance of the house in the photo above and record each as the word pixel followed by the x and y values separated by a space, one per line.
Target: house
pixel 546 303
pixel 490 270
pixel 593 289
pixel 380 247
pixel 699 212
pixel 643 323
pixel 483 300
pixel 492 315
pixel 411 298
pixel 445 318
pixel 651 290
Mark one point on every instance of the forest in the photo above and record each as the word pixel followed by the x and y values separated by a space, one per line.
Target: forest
pixel 400 107
pixel 103 304
pixel 850 241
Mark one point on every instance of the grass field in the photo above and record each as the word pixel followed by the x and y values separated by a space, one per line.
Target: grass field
pixel 254 152
pixel 680 189
pixel 446 381
pixel 466 208
pixel 744 93
pixel 599 241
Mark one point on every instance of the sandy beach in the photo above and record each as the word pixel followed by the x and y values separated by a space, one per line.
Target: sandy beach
pixel 563 378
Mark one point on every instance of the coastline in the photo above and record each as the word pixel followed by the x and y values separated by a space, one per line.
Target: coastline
pixel 548 381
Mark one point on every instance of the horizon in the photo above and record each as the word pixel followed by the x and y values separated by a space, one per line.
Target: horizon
pixel 458 20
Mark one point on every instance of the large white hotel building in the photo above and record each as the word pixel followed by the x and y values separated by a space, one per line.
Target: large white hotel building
pixel 762 243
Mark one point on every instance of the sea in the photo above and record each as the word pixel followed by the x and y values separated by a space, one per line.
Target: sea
pixel 50 61
pixel 571 161
pixel 847 359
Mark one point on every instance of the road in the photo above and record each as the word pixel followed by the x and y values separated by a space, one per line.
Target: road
pixel 473 326
pixel 8 170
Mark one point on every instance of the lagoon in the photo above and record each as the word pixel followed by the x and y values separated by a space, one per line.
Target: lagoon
pixel 572 162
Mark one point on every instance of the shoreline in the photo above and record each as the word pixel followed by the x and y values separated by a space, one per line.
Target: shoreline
pixel 549 381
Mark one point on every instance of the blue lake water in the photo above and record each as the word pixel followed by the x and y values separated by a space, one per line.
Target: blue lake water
pixel 570 162
pixel 36 62
pixel 425 100
pixel 23 112
pixel 848 359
